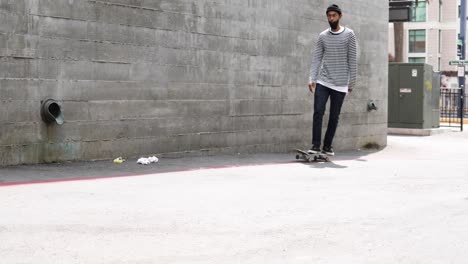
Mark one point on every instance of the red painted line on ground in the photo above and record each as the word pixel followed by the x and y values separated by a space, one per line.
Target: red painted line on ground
pixel 92 178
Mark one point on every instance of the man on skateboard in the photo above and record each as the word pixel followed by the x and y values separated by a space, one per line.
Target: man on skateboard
pixel 332 75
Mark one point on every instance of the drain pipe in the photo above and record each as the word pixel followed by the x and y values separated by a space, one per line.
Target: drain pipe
pixel 51 112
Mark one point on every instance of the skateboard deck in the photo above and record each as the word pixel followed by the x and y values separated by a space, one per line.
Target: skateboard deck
pixel 303 155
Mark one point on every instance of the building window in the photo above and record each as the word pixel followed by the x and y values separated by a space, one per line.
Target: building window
pixel 417 41
pixel 417 60
pixel 440 10
pixel 418 12
pixel 440 41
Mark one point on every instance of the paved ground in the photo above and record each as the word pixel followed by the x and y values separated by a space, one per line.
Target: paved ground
pixel 405 204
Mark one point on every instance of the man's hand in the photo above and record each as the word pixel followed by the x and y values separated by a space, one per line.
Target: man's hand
pixel 312 87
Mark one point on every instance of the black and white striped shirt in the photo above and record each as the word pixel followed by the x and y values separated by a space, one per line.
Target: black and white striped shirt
pixel 334 60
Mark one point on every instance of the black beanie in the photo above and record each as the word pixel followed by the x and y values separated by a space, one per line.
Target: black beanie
pixel 335 8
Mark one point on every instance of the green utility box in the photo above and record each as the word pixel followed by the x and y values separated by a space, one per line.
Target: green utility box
pixel 413 96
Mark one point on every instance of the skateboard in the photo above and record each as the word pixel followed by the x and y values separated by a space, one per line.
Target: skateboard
pixel 303 155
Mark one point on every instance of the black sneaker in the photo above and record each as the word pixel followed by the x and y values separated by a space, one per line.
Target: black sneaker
pixel 328 151
pixel 314 150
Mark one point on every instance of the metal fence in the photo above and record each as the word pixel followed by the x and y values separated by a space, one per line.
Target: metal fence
pixel 451 114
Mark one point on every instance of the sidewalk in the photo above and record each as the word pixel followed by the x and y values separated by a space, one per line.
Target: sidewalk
pixel 405 204
pixel 446 146
pixel 104 169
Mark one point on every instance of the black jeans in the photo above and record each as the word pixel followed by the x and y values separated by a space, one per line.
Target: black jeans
pixel 336 101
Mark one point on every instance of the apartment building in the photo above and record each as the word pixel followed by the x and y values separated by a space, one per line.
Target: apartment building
pixel 431 36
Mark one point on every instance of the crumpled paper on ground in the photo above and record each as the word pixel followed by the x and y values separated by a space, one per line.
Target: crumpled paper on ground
pixel 146 161
pixel 119 160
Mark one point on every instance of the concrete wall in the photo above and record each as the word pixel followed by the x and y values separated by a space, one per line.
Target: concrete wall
pixel 138 77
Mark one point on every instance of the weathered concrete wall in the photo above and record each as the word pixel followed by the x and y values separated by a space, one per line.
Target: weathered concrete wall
pixel 139 77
